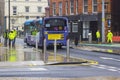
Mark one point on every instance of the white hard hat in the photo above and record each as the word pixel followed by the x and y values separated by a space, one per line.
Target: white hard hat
pixel 108 30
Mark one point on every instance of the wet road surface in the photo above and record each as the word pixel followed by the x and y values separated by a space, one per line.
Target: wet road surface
pixel 28 55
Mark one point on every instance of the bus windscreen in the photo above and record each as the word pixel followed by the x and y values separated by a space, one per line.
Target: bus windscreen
pixel 55 24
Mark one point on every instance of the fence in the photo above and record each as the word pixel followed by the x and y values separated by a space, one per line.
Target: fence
pixel 116 38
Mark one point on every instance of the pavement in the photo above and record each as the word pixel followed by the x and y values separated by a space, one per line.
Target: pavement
pixel 112 45
pixel 89 78
pixel 107 48
pixel 113 48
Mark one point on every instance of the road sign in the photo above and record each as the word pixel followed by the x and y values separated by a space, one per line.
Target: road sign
pixel 109 22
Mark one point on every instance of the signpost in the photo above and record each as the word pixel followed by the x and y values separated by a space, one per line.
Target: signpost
pixel 109 22
pixel 9 14
pixel 55 48
pixel 103 21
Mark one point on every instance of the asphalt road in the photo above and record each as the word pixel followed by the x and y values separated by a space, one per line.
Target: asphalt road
pixel 108 66
pixel 106 61
pixel 57 72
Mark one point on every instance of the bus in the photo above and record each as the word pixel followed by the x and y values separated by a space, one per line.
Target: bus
pixel 49 28
pixel 30 31
pixel 56 28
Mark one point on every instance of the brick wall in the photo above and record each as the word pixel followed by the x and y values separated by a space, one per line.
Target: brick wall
pixel 80 7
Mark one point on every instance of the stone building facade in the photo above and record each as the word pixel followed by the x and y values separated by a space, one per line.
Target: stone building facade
pixel 22 10
pixel 1 15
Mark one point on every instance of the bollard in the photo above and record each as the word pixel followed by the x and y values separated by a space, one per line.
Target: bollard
pixel 11 45
pixel 55 49
pixel 80 38
pixel 44 50
pixel 89 38
pixel 0 39
pixel 68 50
pixel 36 44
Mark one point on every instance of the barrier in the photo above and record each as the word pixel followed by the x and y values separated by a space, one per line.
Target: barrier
pixel 116 38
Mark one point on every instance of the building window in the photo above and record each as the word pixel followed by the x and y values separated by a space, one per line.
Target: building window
pixel 94 6
pixel 75 27
pixel 39 9
pixel 76 6
pixel 71 7
pixel 85 6
pixel 27 9
pixel 54 9
pixel 69 27
pixel 14 10
pixel 60 9
pixel 85 29
pixel 26 17
pixel 66 6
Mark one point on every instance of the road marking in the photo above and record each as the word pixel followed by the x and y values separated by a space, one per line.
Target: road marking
pixel 110 68
pixel 102 67
pixel 107 58
pixel 38 69
pixel 107 66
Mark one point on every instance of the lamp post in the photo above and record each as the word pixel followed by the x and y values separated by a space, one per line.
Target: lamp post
pixel 9 15
pixel 103 21
pixel 4 23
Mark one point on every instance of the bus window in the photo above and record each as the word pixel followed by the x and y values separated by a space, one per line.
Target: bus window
pixel 55 24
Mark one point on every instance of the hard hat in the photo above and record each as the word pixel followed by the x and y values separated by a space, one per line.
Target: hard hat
pixel 108 30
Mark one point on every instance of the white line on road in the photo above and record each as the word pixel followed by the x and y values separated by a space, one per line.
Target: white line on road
pixel 101 67
pixel 110 68
pixel 107 58
pixel 107 66
pixel 38 69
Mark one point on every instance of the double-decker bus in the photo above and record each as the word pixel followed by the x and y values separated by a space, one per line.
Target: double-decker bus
pixel 49 28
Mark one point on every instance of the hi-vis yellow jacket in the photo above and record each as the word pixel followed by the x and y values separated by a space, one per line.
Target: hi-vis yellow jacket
pixel 97 34
pixel 11 35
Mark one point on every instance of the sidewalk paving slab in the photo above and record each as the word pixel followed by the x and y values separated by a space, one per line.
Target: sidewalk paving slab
pixel 21 63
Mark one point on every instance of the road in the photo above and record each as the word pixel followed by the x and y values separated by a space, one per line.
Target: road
pixel 106 61
pixel 108 65
pixel 57 72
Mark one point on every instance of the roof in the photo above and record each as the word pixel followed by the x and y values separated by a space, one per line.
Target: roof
pixel 27 22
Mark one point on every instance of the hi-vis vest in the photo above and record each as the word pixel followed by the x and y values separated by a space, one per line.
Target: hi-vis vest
pixel 110 35
pixel 11 36
pixel 5 35
pixel 98 34
pixel 15 32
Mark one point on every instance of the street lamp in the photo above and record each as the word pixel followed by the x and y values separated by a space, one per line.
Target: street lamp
pixel 4 23
pixel 103 21
pixel 9 15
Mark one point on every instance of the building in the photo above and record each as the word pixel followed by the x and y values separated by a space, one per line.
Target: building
pixel 115 14
pixel 85 16
pixel 1 15
pixel 22 10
